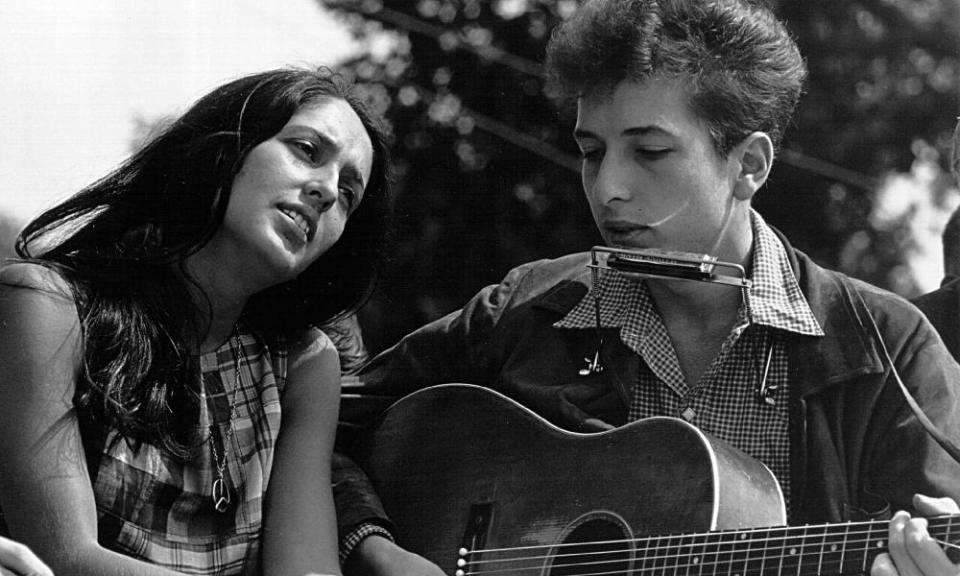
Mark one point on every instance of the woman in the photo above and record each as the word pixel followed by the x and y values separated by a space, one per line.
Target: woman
pixel 163 323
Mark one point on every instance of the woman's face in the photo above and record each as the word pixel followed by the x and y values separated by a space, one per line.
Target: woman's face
pixel 294 193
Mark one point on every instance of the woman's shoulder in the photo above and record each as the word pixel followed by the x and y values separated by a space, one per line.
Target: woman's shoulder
pixel 34 275
pixel 311 352
pixel 310 342
pixel 39 316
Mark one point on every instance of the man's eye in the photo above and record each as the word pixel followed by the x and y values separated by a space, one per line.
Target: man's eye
pixel 591 155
pixel 653 152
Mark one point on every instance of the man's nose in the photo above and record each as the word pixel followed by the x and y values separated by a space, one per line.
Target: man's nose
pixel 612 182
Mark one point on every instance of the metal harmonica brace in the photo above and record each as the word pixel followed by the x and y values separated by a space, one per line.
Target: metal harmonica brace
pixel 659 264
pixel 669 264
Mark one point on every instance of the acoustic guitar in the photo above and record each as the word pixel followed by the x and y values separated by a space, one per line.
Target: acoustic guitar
pixel 480 485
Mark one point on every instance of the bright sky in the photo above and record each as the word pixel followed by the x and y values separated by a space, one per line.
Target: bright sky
pixel 75 74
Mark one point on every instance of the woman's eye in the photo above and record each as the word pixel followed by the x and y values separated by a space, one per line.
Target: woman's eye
pixel 349 196
pixel 309 149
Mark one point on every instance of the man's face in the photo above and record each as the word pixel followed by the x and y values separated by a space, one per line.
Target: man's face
pixel 651 173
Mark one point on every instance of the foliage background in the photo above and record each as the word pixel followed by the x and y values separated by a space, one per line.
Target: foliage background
pixel 488 175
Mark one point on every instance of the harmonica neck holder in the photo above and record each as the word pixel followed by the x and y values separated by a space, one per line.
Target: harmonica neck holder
pixel 663 265
pixel 670 265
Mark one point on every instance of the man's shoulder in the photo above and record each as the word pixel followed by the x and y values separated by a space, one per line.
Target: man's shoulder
pixel 817 277
pixel 573 265
pixel 841 302
pixel 556 283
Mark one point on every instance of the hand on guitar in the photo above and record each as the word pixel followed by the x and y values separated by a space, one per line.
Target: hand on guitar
pixel 377 556
pixel 912 551
pixel 16 560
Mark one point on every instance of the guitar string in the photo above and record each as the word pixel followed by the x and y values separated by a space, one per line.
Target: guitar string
pixel 724 559
pixel 646 564
pixel 729 557
pixel 713 557
pixel 725 538
pixel 732 536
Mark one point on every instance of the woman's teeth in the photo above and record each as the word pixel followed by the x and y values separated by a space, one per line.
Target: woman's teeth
pixel 299 220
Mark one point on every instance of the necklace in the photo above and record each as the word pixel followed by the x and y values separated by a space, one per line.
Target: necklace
pixel 220 492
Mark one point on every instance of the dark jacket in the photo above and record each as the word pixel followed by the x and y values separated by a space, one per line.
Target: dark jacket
pixel 857 450
pixel 942 308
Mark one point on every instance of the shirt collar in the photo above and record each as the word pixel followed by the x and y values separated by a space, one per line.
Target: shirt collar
pixel 775 296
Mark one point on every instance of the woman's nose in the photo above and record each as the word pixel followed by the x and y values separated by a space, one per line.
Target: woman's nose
pixel 322 193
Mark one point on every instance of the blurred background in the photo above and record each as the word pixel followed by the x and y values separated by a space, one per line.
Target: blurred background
pixel 488 173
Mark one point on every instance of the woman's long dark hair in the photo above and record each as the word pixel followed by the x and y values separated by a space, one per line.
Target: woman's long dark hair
pixel 121 243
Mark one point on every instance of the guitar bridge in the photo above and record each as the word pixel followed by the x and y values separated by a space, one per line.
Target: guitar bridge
pixel 474 535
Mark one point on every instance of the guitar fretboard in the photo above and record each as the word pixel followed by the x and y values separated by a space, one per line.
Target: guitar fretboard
pixel 830 549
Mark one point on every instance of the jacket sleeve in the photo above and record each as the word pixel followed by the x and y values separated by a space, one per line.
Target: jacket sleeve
pixel 906 458
pixel 453 349
pixel 450 349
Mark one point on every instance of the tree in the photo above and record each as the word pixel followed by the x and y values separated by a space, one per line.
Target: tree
pixel 488 174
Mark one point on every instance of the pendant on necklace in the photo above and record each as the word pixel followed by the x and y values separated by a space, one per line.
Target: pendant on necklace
pixel 221 496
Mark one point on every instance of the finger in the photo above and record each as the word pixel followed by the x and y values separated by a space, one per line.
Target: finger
pixel 924 550
pixel 20 559
pixel 595 425
pixel 898 548
pixel 883 566
pixel 572 397
pixel 580 393
pixel 927 506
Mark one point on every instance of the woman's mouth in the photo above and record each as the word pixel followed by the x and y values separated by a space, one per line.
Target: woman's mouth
pixel 299 220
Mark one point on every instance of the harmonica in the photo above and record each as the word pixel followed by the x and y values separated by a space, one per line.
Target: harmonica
pixel 670 264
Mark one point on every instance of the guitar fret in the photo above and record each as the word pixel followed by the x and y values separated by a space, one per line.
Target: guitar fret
pixel 698 544
pixel 745 541
pixel 643 552
pixel 691 557
pixel 698 551
pixel 946 525
pixel 726 556
pixel 873 544
pixel 650 558
pixel 763 549
pixel 843 548
pixel 833 551
pixel 676 553
pixel 779 535
pixel 754 562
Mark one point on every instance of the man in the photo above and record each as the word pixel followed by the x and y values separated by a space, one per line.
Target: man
pixel 942 306
pixel 681 104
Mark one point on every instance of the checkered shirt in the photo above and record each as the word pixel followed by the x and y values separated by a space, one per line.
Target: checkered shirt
pixel 152 507
pixel 727 401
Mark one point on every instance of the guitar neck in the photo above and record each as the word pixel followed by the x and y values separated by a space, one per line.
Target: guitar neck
pixel 799 550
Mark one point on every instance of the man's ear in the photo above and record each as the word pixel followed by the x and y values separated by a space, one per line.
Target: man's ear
pixel 754 155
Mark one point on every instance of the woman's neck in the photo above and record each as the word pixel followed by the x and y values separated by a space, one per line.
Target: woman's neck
pixel 218 300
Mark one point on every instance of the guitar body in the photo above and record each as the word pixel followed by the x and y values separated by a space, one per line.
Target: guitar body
pixel 460 466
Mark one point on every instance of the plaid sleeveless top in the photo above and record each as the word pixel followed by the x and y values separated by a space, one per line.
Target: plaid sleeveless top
pixel 153 507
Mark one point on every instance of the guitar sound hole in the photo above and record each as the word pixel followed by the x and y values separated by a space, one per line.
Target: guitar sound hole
pixel 597 546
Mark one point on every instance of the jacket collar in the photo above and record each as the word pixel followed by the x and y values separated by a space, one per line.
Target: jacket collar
pixel 847 349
